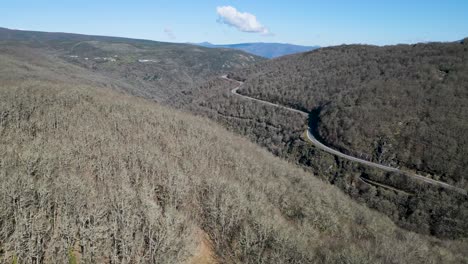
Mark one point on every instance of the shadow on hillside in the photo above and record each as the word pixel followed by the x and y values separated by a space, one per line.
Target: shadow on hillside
pixel 314 119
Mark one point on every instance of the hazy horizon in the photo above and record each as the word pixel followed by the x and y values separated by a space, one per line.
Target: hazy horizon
pixel 307 23
pixel 233 43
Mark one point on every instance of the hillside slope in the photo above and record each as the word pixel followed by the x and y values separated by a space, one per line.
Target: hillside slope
pixel 410 203
pixel 90 175
pixel 401 105
pixel 155 70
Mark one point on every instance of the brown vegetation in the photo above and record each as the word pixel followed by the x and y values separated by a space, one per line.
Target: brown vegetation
pixel 429 210
pixel 90 175
pixel 402 105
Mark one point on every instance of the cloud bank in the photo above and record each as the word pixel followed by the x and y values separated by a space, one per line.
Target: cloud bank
pixel 244 22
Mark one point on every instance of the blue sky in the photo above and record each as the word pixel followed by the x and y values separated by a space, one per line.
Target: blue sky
pixel 306 22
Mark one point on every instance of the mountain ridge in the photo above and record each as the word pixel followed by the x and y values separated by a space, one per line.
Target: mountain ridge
pixel 264 49
pixel 155 70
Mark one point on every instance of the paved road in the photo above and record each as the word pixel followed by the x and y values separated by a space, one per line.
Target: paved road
pixel 323 147
pixel 234 91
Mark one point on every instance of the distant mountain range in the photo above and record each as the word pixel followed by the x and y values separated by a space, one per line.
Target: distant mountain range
pixel 267 50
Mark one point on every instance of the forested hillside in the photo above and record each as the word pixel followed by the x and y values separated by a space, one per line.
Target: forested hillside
pixel 150 69
pixel 89 175
pixel 410 203
pixel 404 105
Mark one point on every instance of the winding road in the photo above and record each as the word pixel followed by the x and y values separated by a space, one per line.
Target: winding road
pixel 325 148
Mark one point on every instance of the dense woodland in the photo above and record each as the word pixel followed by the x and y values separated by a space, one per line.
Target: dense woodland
pixel 91 175
pixel 88 175
pixel 421 208
pixel 404 105
pixel 410 203
pixel 277 130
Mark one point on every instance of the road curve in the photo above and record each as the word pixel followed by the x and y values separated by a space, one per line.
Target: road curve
pixel 234 91
pixel 325 148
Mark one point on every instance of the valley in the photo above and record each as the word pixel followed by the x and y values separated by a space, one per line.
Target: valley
pixel 149 69
pixel 422 203
pixel 414 94
pixel 321 146
pixel 116 150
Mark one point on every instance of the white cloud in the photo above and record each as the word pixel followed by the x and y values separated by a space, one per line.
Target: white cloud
pixel 170 34
pixel 244 22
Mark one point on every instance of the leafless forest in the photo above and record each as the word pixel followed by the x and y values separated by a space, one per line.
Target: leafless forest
pixel 89 174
